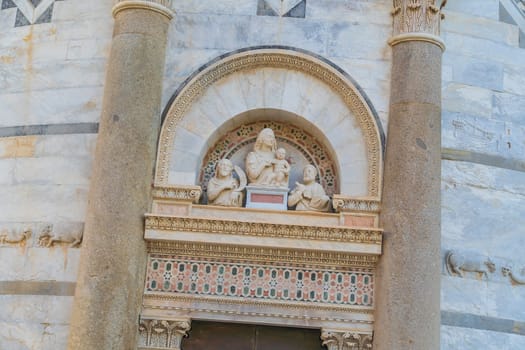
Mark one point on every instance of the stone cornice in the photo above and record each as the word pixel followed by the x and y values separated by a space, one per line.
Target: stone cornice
pixel 417 20
pixel 260 229
pixel 191 303
pixel 161 6
pixel 263 254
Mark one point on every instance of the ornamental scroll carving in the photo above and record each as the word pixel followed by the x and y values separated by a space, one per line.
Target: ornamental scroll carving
pixel 417 16
pixel 341 340
pixel 162 334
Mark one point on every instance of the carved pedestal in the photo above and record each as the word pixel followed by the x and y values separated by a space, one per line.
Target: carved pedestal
pixel 266 198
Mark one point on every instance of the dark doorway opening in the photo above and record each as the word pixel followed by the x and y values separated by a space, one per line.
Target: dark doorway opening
pixel 231 336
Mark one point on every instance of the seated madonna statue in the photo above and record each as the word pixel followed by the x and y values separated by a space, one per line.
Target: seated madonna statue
pixel 223 188
pixel 310 195
pixel 259 162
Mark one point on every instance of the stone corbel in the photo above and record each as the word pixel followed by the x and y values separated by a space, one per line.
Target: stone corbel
pixel 162 334
pixel 346 340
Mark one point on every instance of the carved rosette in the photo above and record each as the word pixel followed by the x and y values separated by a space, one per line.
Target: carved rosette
pixel 342 340
pixel 162 334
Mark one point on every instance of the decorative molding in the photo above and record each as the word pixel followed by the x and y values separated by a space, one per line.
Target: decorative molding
pixel 346 340
pixel 180 193
pixel 257 308
pixel 162 334
pixel 70 233
pixel 15 236
pixel 263 229
pixel 227 279
pixel 164 7
pixel 262 254
pixel 276 59
pixel 350 204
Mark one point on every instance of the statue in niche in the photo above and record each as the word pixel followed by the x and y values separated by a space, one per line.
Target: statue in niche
pixel 310 195
pixel 223 188
pixel 260 162
pixel 281 169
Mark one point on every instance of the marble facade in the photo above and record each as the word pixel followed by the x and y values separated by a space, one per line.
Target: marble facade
pixel 53 62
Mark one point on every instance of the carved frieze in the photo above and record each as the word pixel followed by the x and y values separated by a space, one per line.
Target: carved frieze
pixel 15 236
pixel 417 16
pixel 191 224
pixel 471 264
pixel 263 254
pixel 346 340
pixel 162 334
pixel 349 204
pixel 69 233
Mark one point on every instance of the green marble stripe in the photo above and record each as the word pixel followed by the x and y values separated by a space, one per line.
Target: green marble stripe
pixel 49 129
pixel 37 288
pixel 484 159
pixel 464 320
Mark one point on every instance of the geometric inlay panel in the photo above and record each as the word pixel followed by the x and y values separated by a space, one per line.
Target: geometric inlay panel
pixel 182 275
pixel 30 12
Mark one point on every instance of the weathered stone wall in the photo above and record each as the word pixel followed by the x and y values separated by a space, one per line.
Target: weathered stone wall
pixel 51 87
pixel 483 178
pixel 51 84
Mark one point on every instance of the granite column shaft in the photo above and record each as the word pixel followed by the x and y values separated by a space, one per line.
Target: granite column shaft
pixel 407 302
pixel 113 256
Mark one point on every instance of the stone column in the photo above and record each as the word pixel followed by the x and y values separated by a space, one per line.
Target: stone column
pixel 113 256
pixel 407 302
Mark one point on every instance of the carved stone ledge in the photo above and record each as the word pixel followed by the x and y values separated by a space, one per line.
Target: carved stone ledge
pixel 162 334
pixel 349 204
pixel 346 340
pixel 259 229
pixel 178 193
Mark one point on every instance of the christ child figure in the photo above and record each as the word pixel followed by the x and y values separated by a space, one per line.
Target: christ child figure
pixel 281 169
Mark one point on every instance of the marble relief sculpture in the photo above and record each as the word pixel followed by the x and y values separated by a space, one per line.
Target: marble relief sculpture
pixel 310 195
pixel 260 162
pixel 223 188
pixel 266 181
pixel 281 169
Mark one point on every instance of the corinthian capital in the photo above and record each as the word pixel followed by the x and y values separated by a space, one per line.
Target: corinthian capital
pixel 417 19
pixel 343 340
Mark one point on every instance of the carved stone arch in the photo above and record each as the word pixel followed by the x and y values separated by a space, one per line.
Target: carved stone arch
pixel 266 78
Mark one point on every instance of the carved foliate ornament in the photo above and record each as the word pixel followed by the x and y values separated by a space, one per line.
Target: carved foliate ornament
pixel 342 340
pixel 162 334
pixel 417 16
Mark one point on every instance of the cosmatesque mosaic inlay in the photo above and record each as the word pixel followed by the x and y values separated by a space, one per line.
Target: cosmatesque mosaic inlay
pixel 175 274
